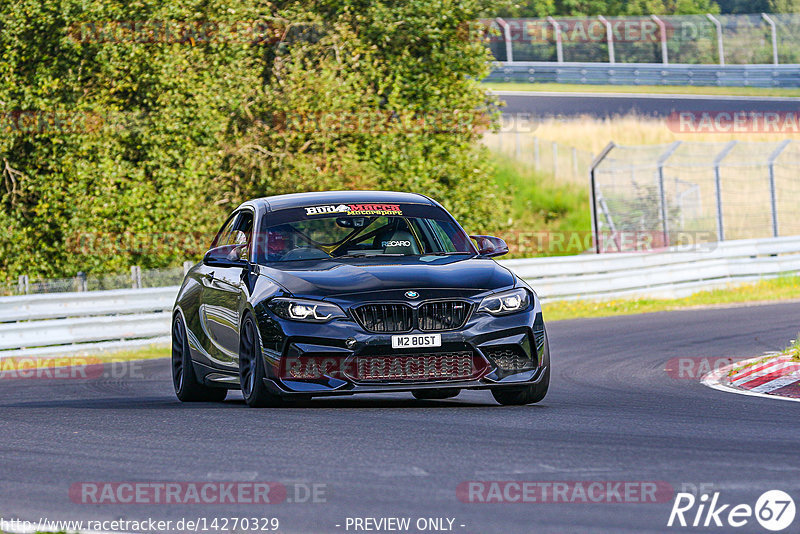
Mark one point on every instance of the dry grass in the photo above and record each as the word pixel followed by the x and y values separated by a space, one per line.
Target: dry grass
pixel 593 134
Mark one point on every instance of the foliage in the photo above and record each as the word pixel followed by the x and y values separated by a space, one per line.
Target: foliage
pixel 145 141
pixel 543 8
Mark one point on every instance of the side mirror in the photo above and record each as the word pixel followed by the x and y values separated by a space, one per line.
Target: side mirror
pixel 225 256
pixel 490 246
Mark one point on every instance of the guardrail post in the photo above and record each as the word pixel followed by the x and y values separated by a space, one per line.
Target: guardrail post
pixel 593 193
pixel 774 29
pixel 81 280
pixel 718 187
pixel 772 193
pixel 720 46
pixel 136 277
pixel 661 190
pixel 507 38
pixel 609 38
pixel 662 28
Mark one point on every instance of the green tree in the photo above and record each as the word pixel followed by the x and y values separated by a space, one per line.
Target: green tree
pixel 169 134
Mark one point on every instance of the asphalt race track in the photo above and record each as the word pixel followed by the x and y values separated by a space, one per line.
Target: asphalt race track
pixel 543 104
pixel 613 414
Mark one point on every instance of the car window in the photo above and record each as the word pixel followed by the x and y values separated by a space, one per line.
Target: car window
pixel 242 234
pixel 224 233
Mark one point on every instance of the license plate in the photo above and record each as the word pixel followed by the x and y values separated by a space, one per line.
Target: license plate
pixel 416 341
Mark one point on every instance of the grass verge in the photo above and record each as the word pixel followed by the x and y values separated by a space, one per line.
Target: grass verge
pixel 80 359
pixel 539 203
pixel 776 289
pixel 642 89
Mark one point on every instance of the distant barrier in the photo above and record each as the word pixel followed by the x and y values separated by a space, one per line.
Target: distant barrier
pixel 647 74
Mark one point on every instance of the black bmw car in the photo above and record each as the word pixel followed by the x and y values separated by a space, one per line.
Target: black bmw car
pixel 336 293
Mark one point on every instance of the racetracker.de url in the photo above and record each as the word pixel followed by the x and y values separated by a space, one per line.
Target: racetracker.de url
pixel 197 524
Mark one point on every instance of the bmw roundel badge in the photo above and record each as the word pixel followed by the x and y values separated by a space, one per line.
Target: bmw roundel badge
pixel 412 294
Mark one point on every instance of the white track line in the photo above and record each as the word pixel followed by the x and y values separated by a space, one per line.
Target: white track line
pixel 714 380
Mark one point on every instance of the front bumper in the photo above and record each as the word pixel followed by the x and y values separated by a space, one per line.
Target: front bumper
pixel 506 351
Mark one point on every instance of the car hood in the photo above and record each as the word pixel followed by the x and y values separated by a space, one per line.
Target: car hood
pixel 442 275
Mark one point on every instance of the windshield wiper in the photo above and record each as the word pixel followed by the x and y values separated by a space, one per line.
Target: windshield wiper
pixel 447 253
pixel 366 255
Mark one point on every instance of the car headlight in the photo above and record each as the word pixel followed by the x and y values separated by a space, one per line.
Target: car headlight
pixel 506 302
pixel 310 311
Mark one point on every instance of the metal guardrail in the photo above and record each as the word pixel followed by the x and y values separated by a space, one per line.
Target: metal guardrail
pixel 647 74
pixel 74 322
pixel 672 274
pixel 60 323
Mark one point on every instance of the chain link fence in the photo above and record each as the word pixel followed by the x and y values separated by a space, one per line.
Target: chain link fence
pixel 563 162
pixel 678 39
pixel 136 279
pixel 688 193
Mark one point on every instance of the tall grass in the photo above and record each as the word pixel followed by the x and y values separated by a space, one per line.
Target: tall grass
pixel 538 203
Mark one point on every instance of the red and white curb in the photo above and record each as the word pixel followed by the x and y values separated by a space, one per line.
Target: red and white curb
pixel 776 377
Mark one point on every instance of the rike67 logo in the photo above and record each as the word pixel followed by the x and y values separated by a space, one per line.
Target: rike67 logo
pixel 774 510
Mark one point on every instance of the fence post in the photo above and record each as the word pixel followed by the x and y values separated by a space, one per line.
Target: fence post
pixel 593 193
pixel 559 43
pixel 609 38
pixel 24 284
pixel 507 38
pixel 662 28
pixel 718 186
pixel 774 29
pixel 81 278
pixel 662 193
pixel 772 193
pixel 136 277
pixel 720 46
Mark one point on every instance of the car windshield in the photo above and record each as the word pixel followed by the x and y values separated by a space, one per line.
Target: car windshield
pixel 346 236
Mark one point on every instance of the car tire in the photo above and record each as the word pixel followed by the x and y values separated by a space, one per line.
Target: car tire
pixel 435 394
pixel 252 369
pixel 530 394
pixel 184 378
